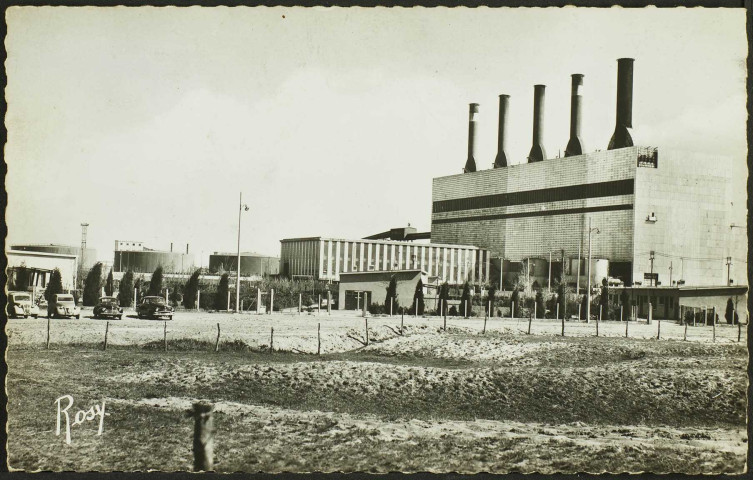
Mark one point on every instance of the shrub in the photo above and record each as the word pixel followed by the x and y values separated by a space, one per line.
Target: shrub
pixel 155 284
pixel 54 286
pixel 92 285
pixel 190 291
pixel 515 298
pixel 376 309
pixel 220 296
pixel 730 314
pixel 390 301
pixel 465 300
pixel 583 306
pixel 540 307
pixel 490 299
pixel 444 295
pixel 125 291
pixel 453 311
pixel 418 298
pixel 109 284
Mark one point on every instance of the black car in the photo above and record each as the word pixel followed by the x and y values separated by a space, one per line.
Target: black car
pixel 154 307
pixel 108 307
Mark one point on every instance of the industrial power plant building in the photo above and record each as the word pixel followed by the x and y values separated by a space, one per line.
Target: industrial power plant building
pixel 654 216
pixel 134 256
pixel 252 264
pixel 89 258
pixel 324 258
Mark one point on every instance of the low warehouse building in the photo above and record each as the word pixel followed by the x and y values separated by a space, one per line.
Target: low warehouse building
pixel 355 286
pixel 252 264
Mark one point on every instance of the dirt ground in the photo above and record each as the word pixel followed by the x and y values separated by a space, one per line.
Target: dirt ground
pixel 428 400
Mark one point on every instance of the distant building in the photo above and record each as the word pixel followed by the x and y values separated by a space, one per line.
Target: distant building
pixel 39 266
pixel 356 286
pixel 134 256
pixel 89 257
pixel 252 264
pixel 324 258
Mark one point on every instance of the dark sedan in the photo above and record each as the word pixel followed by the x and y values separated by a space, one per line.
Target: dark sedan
pixel 154 307
pixel 108 307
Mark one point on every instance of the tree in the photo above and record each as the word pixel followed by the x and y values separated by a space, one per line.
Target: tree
pixel 138 284
pixel 190 291
pixel 125 292
pixel 604 299
pixel 729 313
pixel 624 301
pixel 418 298
pixel 465 300
pixel 490 299
pixel 155 284
pixel 584 306
pixel 514 300
pixel 562 299
pixel 54 286
pixel 220 298
pixel 540 307
pixel 109 284
pixel 93 285
pixel 391 298
pixel 444 296
pixel 18 278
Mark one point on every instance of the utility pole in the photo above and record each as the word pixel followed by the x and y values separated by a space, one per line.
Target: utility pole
pixel 241 207
pixel 670 273
pixel 549 283
pixel 729 264
pixel 588 292
pixel 80 279
pixel 577 278
pixel 651 257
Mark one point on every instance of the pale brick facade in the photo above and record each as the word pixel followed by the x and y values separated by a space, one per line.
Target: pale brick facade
pixel 530 210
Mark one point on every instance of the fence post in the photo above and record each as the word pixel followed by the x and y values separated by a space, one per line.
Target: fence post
pixel 685 333
pixel 622 318
pixel 467 309
pixel 167 296
pixel 271 301
pixel 563 325
pixel 258 301
pixel 558 309
pixel 300 303
pixel 713 332
pixel 693 316
pixel 329 302
pixel 203 437
pixel 391 301
pixel 529 322
pixel 705 316
pixel 134 297
pixel 217 344
pixel 597 324
pixel 739 330
pixel 416 314
pixel 483 332
pixel 534 312
pixel 600 309
pixel 365 303
pixel 319 305
pixel 165 336
pixel 650 313
pixel 318 338
pixel 272 339
pixel 241 305
pixel 627 324
pixel 366 321
pixel 198 300
pixel 444 325
pixel 401 323
pixel 579 311
pixel 658 328
pixel 107 328
pixel 512 310
pixel 228 300
pixel 48 331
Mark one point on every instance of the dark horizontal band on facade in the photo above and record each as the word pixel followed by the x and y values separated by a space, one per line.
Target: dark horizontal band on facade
pixel 537 213
pixel 554 194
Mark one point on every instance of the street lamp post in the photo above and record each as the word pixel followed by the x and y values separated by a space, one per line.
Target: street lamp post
pixel 241 208
pixel 588 280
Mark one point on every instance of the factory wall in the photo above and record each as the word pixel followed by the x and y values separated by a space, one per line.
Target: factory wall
pixel 689 196
pixel 45 261
pixel 530 210
pixel 90 254
pixel 148 260
pixel 326 258
pixel 250 264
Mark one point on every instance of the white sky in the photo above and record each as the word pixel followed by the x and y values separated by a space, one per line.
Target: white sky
pixel 147 122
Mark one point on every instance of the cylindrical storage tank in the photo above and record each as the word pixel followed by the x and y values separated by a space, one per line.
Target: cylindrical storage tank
pixel 599 270
pixel 148 261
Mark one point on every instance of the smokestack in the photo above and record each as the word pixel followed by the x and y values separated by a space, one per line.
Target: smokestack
pixel 504 105
pixel 470 164
pixel 171 246
pixel 538 153
pixel 186 249
pixel 575 144
pixel 621 137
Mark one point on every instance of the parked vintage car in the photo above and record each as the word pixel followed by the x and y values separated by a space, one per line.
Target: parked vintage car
pixel 108 307
pixel 154 307
pixel 20 305
pixel 63 305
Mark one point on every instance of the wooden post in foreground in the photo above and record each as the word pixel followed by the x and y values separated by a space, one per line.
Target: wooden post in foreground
pixel 366 321
pixel 529 322
pixel 203 437
pixel 319 305
pixel 165 336
pixel 318 338
pixel 685 334
pixel 483 332
pixel 739 330
pixel 300 303
pixel 713 332
pixel 198 300
pixel 48 331
pixel 271 301
pixel 563 324
pixel 329 302
pixel 401 324
pixel 107 328
pixel 597 321
pixel 217 344
pixel 658 328
pixel 627 322
pixel 272 339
